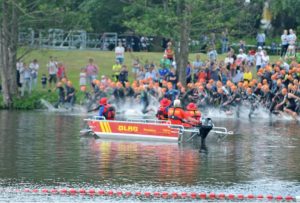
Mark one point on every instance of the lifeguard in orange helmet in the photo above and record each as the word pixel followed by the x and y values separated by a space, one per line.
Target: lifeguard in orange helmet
pixel 193 112
pixel 106 110
pixel 162 113
pixel 178 116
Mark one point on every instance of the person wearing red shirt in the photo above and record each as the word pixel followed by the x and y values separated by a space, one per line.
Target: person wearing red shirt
pixel 193 112
pixel 162 113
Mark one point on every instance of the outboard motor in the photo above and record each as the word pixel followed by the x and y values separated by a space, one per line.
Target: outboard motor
pixel 205 127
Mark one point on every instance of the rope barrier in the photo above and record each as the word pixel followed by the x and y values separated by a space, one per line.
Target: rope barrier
pixel 164 195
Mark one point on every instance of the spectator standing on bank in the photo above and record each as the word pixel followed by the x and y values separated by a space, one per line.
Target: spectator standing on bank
pixel 212 55
pixel 44 81
pixel 120 51
pixel 52 70
pixel 284 42
pixel 34 67
pixel 196 66
pixel 19 66
pixel 61 71
pixel 224 42
pixel 259 58
pixel 91 71
pixel 292 40
pixel 169 52
pixel 82 77
pixel 261 39
pixel 26 74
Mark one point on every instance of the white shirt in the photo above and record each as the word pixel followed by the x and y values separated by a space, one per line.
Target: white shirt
pixel 292 39
pixel 34 67
pixel 228 60
pixel 52 68
pixel 284 39
pixel 119 51
pixel 242 56
pixel 19 65
pixel 259 58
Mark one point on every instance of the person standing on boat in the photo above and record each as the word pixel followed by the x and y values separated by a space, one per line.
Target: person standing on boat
pixel 193 112
pixel 178 116
pixel 106 110
pixel 162 113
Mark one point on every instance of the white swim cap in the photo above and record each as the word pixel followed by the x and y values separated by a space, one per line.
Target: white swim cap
pixel 177 103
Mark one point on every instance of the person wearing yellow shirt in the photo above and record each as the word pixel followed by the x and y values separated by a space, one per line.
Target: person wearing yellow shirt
pixel 247 75
pixel 116 68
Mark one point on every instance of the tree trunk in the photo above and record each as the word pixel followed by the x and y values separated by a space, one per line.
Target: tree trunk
pixel 183 48
pixel 8 50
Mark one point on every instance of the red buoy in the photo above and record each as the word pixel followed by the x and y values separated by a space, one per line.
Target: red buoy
pixel 202 195
pixel 82 191
pixel 240 196
pixel 260 196
pixel 165 195
pixel 35 190
pixel 138 194
pixel 231 196
pixel 110 193
pixel 279 197
pixel 54 191
pixel 128 194
pixel 72 191
pixel 193 195
pixel 26 190
pixel 45 191
pixel 92 191
pixel 212 195
pixel 147 194
pixel 174 195
pixel 289 198
pixel 183 195
pixel 250 196
pixel 63 191
pixel 101 192
pixel 119 193
pixel 156 194
pixel 269 197
pixel 221 196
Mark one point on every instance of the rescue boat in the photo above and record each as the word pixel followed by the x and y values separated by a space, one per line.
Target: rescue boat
pixel 149 130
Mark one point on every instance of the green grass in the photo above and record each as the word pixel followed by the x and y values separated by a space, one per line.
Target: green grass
pixel 74 60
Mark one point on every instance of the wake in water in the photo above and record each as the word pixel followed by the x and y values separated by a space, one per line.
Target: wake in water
pixel 243 113
pixel 64 108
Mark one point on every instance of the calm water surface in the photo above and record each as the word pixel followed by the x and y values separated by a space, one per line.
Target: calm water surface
pixel 41 149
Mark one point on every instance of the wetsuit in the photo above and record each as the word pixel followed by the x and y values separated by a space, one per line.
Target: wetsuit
pixel 71 98
pixel 61 97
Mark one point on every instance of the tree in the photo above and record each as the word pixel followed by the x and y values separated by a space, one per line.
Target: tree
pixel 182 20
pixel 17 14
pixel 8 50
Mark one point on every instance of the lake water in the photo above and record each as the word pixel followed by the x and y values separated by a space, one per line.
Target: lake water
pixel 45 150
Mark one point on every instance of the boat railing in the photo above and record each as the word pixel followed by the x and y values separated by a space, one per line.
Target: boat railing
pixel 98 118
pixel 221 130
pixel 149 121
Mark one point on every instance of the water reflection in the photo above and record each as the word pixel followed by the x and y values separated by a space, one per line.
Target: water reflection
pixel 145 161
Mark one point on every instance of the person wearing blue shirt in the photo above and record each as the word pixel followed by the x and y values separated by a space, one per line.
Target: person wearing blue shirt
pixel 163 72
